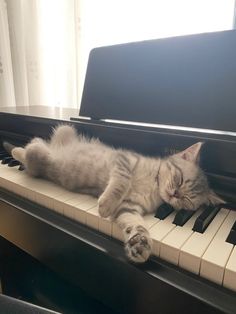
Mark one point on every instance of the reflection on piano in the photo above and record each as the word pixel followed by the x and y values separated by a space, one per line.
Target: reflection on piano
pixel 177 82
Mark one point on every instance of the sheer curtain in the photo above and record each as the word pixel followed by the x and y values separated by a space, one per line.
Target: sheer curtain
pixel 44 44
pixel 38 51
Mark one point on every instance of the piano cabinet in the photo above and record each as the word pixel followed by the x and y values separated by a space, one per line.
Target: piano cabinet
pixel 26 279
pixel 69 257
pixel 147 111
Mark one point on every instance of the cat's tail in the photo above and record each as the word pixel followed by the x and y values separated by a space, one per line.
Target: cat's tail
pixel 8 147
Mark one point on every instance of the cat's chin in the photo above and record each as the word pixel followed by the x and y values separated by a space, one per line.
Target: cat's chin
pixel 174 204
pixel 176 207
pixel 179 207
pixel 171 202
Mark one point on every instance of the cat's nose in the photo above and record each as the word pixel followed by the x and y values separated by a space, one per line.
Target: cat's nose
pixel 174 193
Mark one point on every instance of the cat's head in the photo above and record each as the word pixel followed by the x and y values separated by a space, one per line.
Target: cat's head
pixel 182 183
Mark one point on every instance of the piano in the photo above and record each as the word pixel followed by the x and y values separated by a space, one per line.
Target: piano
pixel 155 97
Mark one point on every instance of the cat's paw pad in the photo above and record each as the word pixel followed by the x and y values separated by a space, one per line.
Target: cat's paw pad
pixel 139 245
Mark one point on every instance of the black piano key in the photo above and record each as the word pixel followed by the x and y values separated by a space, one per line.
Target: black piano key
pixel 163 211
pixel 182 217
pixel 206 217
pixel 3 155
pixel 21 168
pixel 13 163
pixel 6 160
pixel 232 235
pixel 231 206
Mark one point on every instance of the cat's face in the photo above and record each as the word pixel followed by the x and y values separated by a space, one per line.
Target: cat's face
pixel 182 184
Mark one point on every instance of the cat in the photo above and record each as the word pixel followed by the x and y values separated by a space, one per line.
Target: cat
pixel 128 185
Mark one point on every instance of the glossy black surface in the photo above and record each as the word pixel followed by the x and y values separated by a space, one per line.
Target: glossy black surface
pixel 164 211
pixel 13 163
pixel 6 160
pixel 182 217
pixel 3 154
pixel 232 235
pixel 185 81
pixel 206 217
pixel 10 305
pixel 21 168
pixel 25 278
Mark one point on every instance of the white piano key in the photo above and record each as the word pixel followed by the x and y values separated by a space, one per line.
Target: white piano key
pixel 194 248
pixel 39 190
pixel 66 201
pixel 80 208
pixel 230 272
pixel 7 173
pixel 9 176
pixel 117 233
pixel 13 179
pixel 48 194
pixel 160 230
pixel 150 221
pixel 217 254
pixel 105 226
pixel 172 243
pixel 62 198
pixel 92 218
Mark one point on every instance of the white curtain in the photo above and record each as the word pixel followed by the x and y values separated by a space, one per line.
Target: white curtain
pixel 39 52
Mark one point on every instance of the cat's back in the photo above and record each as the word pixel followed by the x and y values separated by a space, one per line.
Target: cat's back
pixel 82 146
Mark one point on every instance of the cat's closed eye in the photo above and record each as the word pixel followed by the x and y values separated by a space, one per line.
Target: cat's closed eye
pixel 178 180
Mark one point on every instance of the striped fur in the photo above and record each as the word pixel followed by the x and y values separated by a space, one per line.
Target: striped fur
pixel 128 184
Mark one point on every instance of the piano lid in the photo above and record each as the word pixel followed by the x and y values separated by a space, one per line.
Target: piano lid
pixel 184 81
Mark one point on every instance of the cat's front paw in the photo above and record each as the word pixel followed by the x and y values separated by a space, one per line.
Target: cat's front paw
pixel 106 206
pixel 138 247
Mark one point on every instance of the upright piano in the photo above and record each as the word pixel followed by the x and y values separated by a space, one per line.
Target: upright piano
pixel 155 97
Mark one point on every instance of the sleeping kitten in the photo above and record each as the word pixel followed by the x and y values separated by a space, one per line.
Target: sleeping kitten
pixel 128 184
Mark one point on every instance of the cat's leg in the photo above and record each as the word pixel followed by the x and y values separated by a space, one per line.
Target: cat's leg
pixel 19 153
pixel 118 186
pixel 62 135
pixel 138 244
pixel 37 158
pixel 116 190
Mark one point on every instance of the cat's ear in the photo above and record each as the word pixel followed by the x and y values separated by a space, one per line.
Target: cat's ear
pixel 214 199
pixel 191 153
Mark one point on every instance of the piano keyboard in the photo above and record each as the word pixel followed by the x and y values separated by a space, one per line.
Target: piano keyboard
pixel 207 254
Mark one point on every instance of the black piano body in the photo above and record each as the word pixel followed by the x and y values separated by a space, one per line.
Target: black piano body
pixel 155 97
